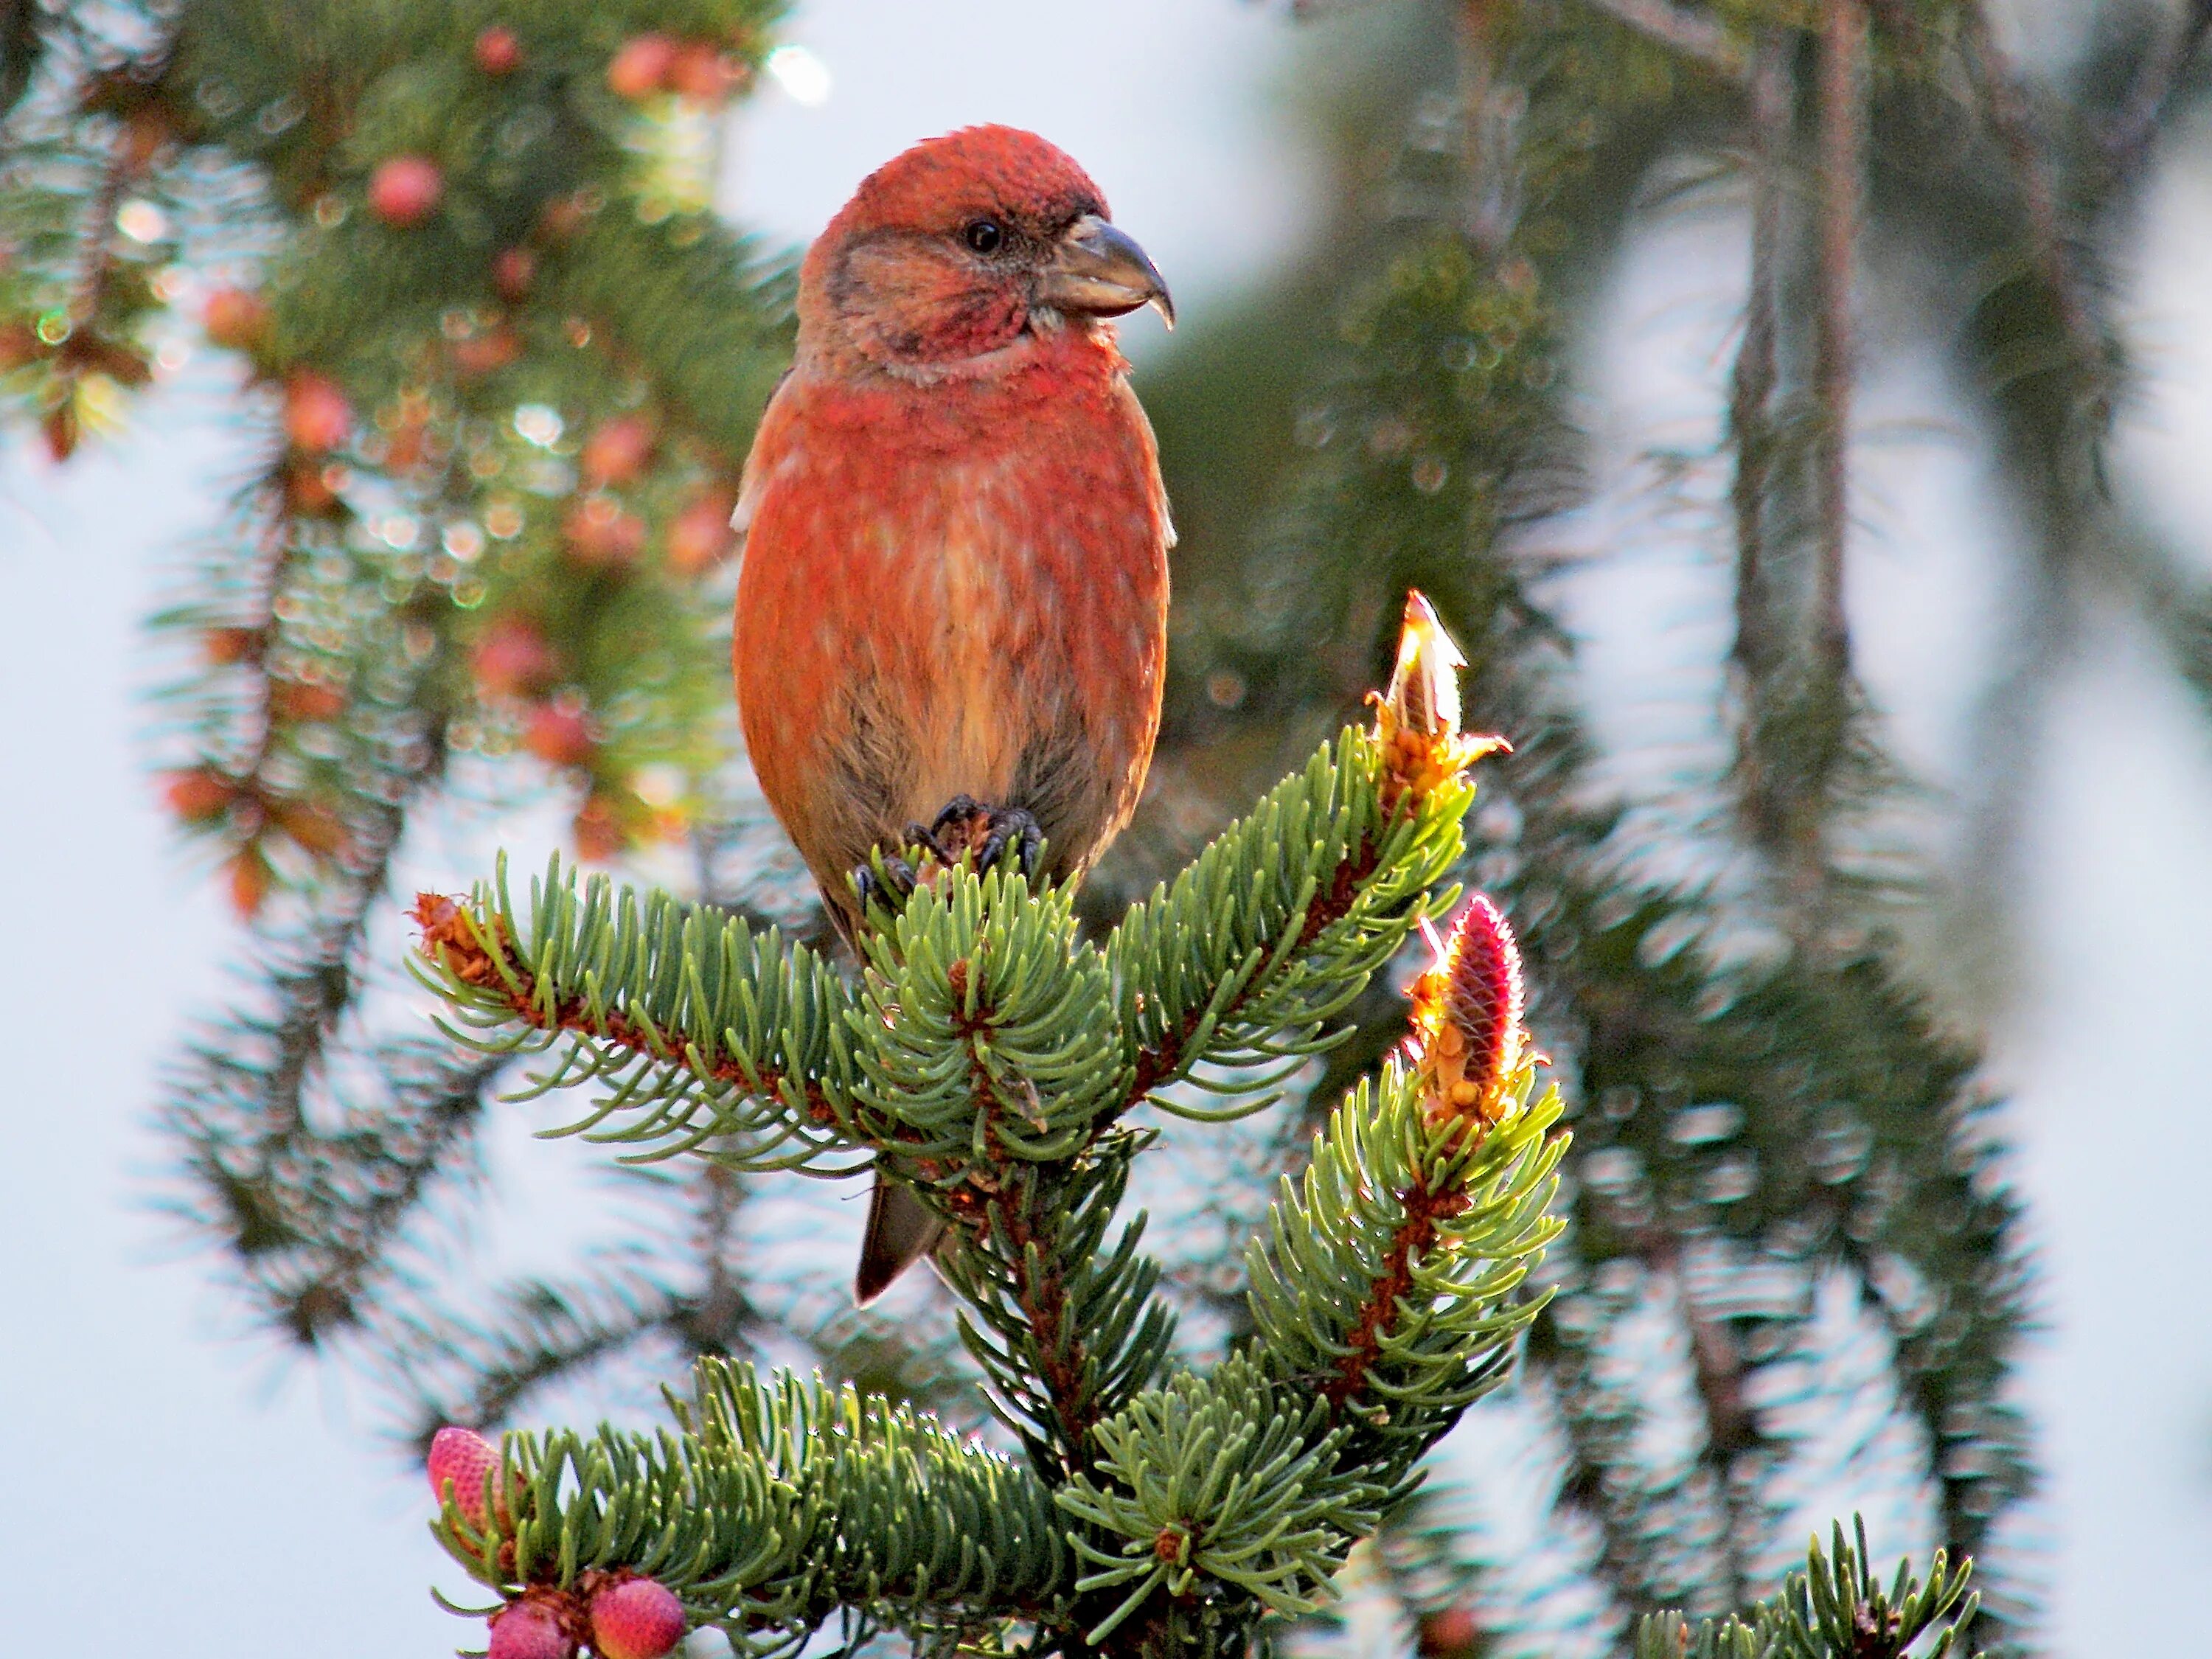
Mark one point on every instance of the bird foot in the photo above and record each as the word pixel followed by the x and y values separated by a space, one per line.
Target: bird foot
pixel 965 830
pixel 887 880
pixel 968 829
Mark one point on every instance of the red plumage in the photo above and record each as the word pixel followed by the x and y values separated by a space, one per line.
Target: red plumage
pixel 954 578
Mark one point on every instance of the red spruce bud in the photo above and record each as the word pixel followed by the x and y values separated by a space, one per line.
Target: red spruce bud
pixel 618 452
pixel 405 191
pixel 512 273
pixel 198 796
pixel 529 1629
pixel 462 1458
pixel 642 66
pixel 701 535
pixel 316 416
pixel 236 318
pixel 559 735
pixel 637 1619
pixel 498 52
pixel 1445 1634
pixel 513 659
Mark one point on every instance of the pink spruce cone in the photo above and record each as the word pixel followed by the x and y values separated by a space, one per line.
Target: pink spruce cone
pixel 463 1457
pixel 405 189
pixel 636 1618
pixel 1467 1041
pixel 530 1630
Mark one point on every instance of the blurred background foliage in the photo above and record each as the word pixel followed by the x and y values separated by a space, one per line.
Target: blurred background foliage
pixel 505 362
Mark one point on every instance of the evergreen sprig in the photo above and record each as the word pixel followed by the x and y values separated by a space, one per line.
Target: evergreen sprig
pixel 1835 1608
pixel 1280 921
pixel 701 1028
pixel 1386 1279
pixel 1065 1329
pixel 771 1504
pixel 990 1035
pixel 985 1056
pixel 1219 1491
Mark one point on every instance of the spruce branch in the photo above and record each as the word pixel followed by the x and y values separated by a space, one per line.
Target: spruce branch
pixel 1065 1329
pixel 1842 119
pixel 1734 1437
pixel 992 1032
pixel 1437 412
pixel 986 1053
pixel 1279 923
pixel 1384 1281
pixel 773 1505
pixel 1639 1527
pixel 708 1032
pixel 1284 917
pixel 1382 1303
pixel 985 1056
pixel 1761 647
pixel 2004 106
pixel 1217 1494
pixel 1690 33
pixel 2159 73
pixel 23 24
pixel 1835 1608
pixel 532 1331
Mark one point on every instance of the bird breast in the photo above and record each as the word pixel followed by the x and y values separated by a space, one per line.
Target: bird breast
pixel 942 597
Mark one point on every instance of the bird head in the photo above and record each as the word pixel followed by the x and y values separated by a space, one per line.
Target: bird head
pixel 963 247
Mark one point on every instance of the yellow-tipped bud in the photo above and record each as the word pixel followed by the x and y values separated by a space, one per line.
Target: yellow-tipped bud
pixel 1417 719
pixel 1424 694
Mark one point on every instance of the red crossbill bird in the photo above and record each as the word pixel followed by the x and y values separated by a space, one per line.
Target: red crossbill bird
pixel 952 604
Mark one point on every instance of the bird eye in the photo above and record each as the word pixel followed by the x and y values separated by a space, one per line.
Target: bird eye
pixel 984 236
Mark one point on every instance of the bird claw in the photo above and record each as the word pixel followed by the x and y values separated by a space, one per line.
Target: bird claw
pixel 986 833
pixel 966 829
pixel 1013 828
pixel 892 888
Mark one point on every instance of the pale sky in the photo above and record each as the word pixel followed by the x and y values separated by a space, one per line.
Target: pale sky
pixel 170 1489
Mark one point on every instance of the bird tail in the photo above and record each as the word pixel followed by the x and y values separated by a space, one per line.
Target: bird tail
pixel 900 1231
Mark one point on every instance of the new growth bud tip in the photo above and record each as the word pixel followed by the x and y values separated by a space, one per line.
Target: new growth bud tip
pixel 1424 690
pixel 530 1630
pixel 637 1619
pixel 462 1458
pixel 1417 719
pixel 1467 1041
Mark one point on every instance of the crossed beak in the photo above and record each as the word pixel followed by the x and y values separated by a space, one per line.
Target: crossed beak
pixel 1101 271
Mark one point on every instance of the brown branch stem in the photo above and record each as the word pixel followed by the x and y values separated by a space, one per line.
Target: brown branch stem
pixel 1043 1302
pixel 1756 651
pixel 450 939
pixel 1690 33
pixel 2129 141
pixel 1842 67
pixel 2005 106
pixel 97 266
pixel 1377 1317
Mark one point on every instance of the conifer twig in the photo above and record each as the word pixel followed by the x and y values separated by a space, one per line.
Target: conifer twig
pixel 1731 1427
pixel 2160 74
pixel 1693 35
pixel 450 938
pixel 2005 108
pixel 1843 49
pixel 1758 651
